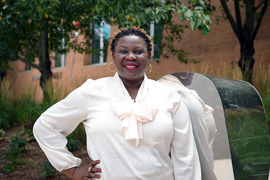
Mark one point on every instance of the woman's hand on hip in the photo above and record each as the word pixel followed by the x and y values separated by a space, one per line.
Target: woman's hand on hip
pixel 84 172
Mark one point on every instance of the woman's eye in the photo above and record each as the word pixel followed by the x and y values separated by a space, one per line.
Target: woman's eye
pixel 138 52
pixel 123 52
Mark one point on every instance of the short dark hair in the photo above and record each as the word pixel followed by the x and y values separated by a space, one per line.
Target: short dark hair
pixel 131 31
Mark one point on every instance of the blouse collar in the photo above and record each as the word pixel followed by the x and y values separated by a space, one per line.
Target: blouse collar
pixel 121 91
pixel 132 113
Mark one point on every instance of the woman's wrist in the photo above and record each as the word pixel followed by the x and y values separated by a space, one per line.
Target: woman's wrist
pixel 69 172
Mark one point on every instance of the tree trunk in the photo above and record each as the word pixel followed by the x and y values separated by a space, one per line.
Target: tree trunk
pixel 44 60
pixel 246 62
pixel 3 74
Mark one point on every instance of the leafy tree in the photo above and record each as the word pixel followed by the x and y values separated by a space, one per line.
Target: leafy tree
pixel 32 29
pixel 246 31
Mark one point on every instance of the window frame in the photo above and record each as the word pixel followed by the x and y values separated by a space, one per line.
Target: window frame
pixel 152 35
pixel 152 28
pixel 62 59
pixel 27 67
pixel 102 59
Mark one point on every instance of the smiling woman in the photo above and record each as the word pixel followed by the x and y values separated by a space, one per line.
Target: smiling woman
pixel 131 51
pixel 132 123
pixel 131 58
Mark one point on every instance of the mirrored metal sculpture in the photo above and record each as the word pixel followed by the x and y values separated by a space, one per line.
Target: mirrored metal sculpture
pixel 241 147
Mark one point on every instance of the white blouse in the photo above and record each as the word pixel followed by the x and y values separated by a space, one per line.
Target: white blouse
pixel 132 139
pixel 203 124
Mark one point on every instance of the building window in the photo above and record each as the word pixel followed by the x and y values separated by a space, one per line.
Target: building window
pixel 27 67
pixel 60 59
pixel 30 56
pixel 100 42
pixel 154 30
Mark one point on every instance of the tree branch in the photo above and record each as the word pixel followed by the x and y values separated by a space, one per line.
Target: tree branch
pixel 256 8
pixel 260 20
pixel 238 20
pixel 31 44
pixel 28 62
pixel 33 39
pixel 230 17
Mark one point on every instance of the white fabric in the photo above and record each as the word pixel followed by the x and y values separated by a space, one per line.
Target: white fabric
pixel 133 113
pixel 203 124
pixel 167 130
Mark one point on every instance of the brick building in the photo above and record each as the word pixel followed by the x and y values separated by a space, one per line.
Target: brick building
pixel 219 48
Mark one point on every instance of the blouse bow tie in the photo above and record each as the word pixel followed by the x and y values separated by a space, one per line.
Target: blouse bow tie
pixel 133 115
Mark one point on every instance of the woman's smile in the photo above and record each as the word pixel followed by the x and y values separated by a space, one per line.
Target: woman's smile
pixel 130 66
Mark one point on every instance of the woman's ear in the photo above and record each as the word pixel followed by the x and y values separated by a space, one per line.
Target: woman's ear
pixel 113 55
pixel 149 55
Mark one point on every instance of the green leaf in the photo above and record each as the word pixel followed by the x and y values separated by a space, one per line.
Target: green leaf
pixel 207 18
pixel 51 17
pixel 198 23
pixel 204 30
pixel 179 3
pixel 197 16
pixel 179 11
pixel 182 18
pixel 39 8
pixel 193 1
pixel 202 3
pixel 192 23
pixel 198 8
pixel 207 28
pixel 188 14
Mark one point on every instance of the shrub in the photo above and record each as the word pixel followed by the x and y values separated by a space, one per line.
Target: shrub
pixel 13 151
pixel 8 116
pixel 79 133
pixel 46 169
pixel 2 133
pixel 31 135
pixel 73 144
pixel 28 110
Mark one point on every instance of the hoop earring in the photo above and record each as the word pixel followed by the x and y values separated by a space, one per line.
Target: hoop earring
pixel 182 76
pixel 110 68
pixel 150 68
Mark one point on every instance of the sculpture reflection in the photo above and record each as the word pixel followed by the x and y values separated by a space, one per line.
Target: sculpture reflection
pixel 241 147
pixel 203 123
pixel 184 77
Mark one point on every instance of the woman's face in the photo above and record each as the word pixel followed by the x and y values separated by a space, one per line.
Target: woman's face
pixel 131 57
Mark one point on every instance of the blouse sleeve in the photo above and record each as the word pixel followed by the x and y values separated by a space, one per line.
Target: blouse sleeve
pixel 57 122
pixel 186 164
